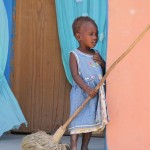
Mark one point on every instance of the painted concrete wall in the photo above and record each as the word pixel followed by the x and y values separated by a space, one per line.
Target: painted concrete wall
pixel 128 92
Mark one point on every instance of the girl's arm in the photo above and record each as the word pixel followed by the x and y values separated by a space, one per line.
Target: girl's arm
pixel 74 71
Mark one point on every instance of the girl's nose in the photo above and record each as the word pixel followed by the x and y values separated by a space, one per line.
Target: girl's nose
pixel 95 37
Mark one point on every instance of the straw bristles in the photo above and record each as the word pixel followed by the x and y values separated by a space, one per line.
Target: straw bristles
pixel 42 141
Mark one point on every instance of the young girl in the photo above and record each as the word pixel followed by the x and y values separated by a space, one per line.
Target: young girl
pixel 86 68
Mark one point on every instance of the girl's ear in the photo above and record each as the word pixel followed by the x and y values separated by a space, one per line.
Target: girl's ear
pixel 77 35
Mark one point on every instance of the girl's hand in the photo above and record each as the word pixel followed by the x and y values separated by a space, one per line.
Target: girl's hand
pixel 97 58
pixel 91 92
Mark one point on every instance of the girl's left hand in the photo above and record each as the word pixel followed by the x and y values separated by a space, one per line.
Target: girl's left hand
pixel 97 58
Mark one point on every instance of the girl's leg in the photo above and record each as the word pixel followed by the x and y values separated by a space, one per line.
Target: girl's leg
pixel 73 141
pixel 85 140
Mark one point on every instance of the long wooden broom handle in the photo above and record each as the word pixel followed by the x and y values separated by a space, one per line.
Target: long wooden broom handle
pixel 105 76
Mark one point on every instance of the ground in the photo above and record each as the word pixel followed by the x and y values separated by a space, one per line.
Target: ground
pixel 13 142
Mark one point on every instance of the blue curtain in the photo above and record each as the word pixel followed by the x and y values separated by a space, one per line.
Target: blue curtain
pixel 10 113
pixel 67 11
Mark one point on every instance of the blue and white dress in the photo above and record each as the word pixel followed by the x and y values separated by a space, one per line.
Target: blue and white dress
pixel 94 115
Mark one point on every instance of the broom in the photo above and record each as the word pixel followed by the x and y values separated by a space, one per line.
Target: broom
pixel 43 141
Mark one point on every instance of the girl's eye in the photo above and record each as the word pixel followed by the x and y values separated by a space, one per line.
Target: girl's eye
pixel 92 34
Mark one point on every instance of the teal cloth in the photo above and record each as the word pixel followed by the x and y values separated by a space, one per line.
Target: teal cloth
pixel 67 11
pixel 11 116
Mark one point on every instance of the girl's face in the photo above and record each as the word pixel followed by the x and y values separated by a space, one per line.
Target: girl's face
pixel 88 35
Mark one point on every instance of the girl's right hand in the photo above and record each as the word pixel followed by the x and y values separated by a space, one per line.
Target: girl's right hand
pixel 91 92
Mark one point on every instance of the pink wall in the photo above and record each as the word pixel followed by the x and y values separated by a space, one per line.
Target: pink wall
pixel 128 85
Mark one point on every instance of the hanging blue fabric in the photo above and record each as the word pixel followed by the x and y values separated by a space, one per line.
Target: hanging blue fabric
pixel 9 6
pixel 67 11
pixel 11 116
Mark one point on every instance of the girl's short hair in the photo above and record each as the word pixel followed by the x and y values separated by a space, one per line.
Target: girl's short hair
pixel 79 21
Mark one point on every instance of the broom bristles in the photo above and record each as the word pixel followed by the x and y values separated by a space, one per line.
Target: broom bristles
pixel 42 141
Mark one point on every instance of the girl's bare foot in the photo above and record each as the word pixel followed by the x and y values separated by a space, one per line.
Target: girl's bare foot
pixel 73 148
pixel 84 148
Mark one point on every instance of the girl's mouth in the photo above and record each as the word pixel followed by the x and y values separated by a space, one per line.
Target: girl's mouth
pixel 94 42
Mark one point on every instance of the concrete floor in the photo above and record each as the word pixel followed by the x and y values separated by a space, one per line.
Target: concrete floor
pixel 12 142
